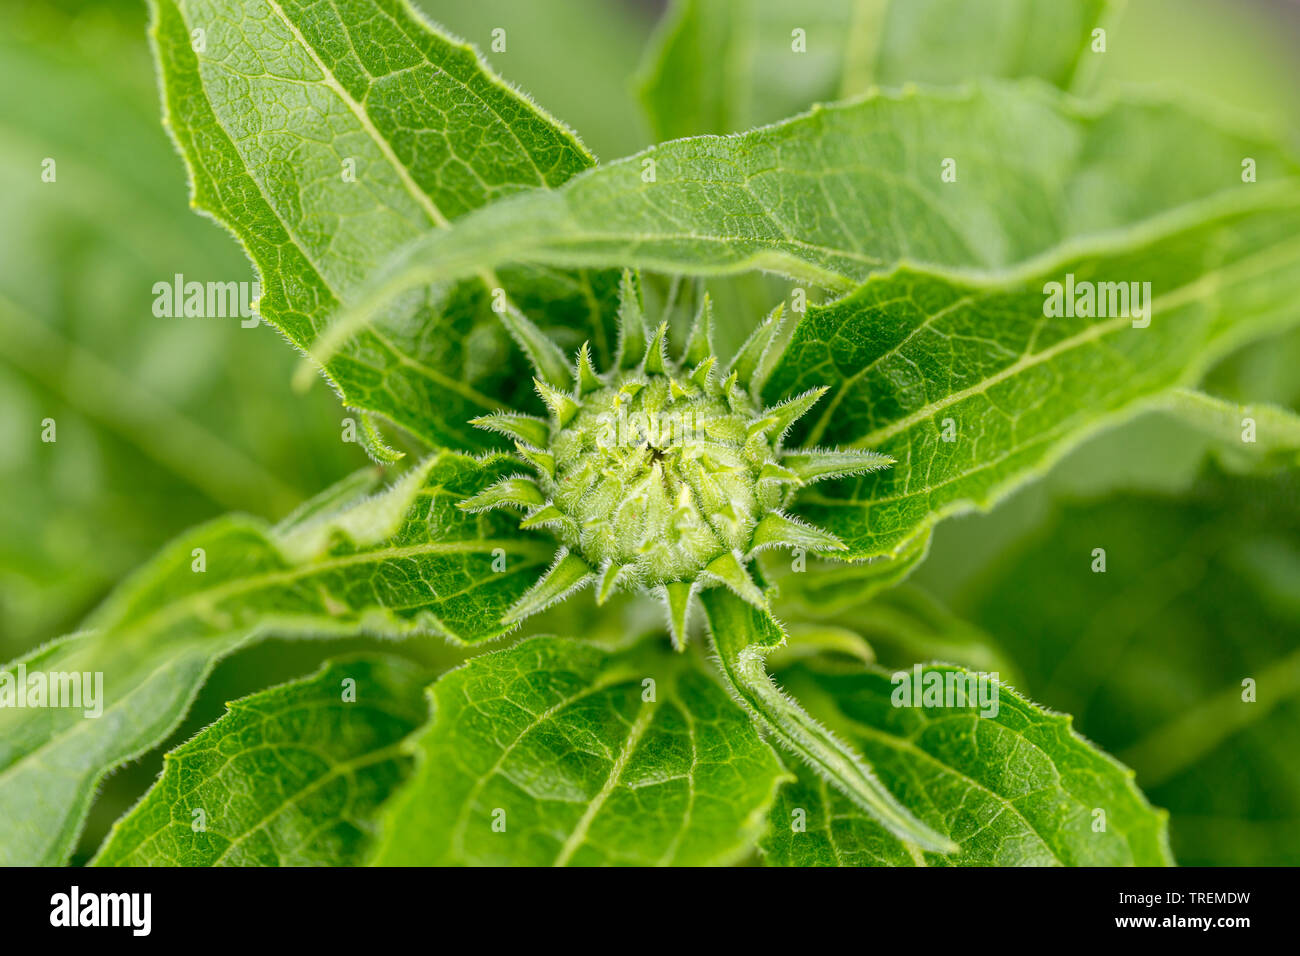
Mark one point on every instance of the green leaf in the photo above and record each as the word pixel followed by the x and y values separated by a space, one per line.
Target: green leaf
pixel 402 562
pixel 556 752
pixel 291 776
pixel 721 66
pixel 851 190
pixel 1013 789
pixel 1200 593
pixel 973 389
pixel 325 141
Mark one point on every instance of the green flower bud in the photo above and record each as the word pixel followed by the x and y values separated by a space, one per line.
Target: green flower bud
pixel 659 475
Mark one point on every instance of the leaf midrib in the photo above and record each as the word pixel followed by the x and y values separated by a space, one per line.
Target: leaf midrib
pixel 645 716
pixel 909 746
pixel 423 199
pixel 611 679
pixel 403 173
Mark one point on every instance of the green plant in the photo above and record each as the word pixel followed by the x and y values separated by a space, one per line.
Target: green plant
pixel 440 247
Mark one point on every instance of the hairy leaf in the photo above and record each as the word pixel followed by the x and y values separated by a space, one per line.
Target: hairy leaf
pixel 1014 788
pixel 974 388
pixel 722 66
pixel 291 776
pixel 327 137
pixel 405 561
pixel 555 752
pixel 851 190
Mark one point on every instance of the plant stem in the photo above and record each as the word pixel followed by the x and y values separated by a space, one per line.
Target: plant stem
pixel 742 636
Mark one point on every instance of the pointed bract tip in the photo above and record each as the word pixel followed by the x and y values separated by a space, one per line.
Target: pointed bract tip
pixel 655 361
pixel 544 355
pixel 702 376
pixel 749 359
pixel 525 428
pixel 784 414
pixel 820 464
pixel 677 598
pixel 777 530
pixel 608 581
pixel 585 374
pixel 567 573
pixel 516 491
pixel 699 344
pixel 631 322
pixel 729 570
pixel 561 405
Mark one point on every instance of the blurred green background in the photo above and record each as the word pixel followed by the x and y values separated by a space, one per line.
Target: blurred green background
pixel 166 422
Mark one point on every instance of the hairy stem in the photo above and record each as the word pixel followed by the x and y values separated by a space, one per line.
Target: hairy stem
pixel 742 636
